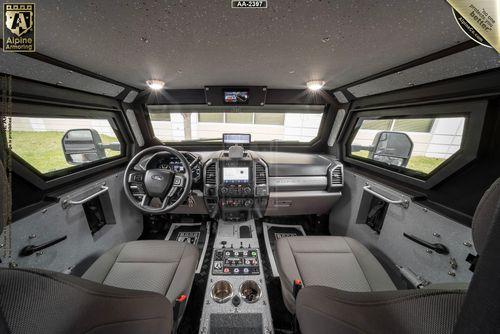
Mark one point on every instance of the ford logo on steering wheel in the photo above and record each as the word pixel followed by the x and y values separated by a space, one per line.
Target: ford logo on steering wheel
pixel 157 177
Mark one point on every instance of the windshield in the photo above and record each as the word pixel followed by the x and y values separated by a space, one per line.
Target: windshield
pixel 290 123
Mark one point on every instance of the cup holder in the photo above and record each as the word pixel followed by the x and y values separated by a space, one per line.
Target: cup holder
pixel 250 291
pixel 222 291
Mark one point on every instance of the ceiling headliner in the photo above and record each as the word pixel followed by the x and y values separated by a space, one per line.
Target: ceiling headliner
pixel 190 44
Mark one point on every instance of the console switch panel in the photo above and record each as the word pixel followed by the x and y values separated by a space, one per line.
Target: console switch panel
pixel 240 261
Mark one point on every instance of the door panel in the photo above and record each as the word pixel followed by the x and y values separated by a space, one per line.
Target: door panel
pixel 390 246
pixel 80 248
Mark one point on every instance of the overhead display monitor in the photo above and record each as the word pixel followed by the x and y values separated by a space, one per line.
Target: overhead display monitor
pixel 236 96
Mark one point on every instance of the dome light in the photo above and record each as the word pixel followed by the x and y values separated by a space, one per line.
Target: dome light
pixel 315 84
pixel 155 84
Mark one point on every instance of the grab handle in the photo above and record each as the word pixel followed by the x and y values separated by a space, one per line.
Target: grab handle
pixel 68 203
pixel 402 202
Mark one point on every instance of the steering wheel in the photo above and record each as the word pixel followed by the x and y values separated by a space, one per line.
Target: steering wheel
pixel 157 187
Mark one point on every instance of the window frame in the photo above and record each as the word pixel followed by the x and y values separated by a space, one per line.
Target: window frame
pixel 59 177
pixel 474 113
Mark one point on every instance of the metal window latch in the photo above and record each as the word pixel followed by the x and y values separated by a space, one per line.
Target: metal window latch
pixel 416 280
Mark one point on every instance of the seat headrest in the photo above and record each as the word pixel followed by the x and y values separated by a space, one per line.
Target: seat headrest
pixel 5 197
pixel 487 213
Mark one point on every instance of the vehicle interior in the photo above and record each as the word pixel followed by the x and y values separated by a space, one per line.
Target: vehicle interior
pixel 307 167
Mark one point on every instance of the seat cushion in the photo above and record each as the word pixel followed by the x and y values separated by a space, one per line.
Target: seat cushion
pixel 322 310
pixel 337 262
pixel 166 267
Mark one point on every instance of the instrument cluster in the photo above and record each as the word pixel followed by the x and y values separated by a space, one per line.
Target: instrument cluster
pixel 172 163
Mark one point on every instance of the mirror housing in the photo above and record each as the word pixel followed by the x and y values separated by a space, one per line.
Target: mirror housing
pixel 82 146
pixel 393 148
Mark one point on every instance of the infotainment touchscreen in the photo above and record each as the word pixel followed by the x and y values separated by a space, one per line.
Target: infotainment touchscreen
pixel 235 174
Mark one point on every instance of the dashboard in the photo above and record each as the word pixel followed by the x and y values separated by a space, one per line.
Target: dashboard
pixel 257 184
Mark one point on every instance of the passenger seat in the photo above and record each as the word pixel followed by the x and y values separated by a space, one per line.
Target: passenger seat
pixel 332 309
pixel 337 262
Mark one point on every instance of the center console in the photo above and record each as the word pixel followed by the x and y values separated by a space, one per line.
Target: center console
pixel 236 188
pixel 236 296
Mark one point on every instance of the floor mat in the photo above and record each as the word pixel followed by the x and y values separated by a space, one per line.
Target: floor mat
pixel 273 232
pixel 194 233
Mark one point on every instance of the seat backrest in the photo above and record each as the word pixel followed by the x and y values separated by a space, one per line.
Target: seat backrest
pixel 35 301
pixel 487 213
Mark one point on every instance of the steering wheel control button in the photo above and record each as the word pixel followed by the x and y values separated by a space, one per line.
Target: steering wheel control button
pixel 178 180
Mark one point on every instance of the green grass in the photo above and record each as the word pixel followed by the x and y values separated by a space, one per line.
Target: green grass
pixel 417 163
pixel 43 150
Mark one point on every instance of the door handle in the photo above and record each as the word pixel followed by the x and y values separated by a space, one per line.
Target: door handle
pixel 437 247
pixel 31 249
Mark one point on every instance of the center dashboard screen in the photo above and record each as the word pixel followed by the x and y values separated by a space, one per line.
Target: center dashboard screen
pixel 235 174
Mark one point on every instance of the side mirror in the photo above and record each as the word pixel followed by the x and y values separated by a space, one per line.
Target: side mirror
pixel 393 148
pixel 82 145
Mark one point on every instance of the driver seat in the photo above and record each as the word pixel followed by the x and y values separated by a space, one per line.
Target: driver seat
pixel 122 292
pixel 162 266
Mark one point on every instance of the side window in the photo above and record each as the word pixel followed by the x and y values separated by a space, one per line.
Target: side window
pixel 419 145
pixel 53 144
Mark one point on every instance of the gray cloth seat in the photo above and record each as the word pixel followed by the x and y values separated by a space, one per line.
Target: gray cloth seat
pixel 323 310
pixel 45 302
pixel 337 262
pixel 129 289
pixel 165 267
pixel 432 310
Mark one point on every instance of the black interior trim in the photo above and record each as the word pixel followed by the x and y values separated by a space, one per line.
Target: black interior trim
pixel 419 61
pixel 70 67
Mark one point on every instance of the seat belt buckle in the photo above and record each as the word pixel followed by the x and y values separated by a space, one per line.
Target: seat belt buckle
pixel 297 285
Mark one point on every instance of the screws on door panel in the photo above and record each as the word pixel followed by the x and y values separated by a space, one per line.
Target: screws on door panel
pixel 467 244
pixel 437 235
pixel 453 263
pixel 452 273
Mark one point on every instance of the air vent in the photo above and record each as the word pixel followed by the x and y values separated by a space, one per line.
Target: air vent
pixel 260 174
pixel 210 177
pixel 336 176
